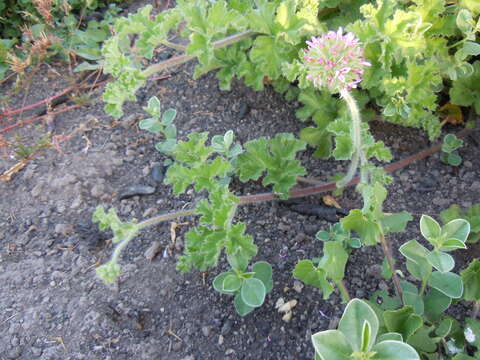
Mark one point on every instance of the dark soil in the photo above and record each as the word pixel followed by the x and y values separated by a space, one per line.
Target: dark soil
pixel 53 306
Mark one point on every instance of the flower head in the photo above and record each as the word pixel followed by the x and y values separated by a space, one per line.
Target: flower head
pixel 335 61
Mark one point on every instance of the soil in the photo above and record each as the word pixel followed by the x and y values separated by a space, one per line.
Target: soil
pixel 54 307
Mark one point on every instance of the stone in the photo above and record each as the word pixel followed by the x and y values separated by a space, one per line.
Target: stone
pixel 64 229
pixel 97 190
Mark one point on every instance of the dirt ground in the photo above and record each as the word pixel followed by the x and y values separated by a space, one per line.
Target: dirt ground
pixel 52 306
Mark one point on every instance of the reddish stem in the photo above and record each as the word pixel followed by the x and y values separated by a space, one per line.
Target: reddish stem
pixel 33 119
pixel 316 189
pixel 44 101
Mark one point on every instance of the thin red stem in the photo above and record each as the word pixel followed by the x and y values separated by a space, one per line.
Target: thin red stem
pixel 317 189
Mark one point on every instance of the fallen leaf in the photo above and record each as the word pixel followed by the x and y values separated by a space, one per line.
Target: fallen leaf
pixel 7 175
pixel 452 114
pixel 330 201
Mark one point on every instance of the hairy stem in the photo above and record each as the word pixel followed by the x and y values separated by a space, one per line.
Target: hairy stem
pixel 177 60
pixel 391 264
pixel 165 217
pixel 356 138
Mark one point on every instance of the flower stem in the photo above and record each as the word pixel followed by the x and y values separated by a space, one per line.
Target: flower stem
pixel 356 138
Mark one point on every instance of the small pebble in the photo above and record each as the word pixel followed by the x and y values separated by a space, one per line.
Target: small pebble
pixel 226 328
pixel 206 331
pixel 158 173
pixel 135 190
pixel 298 286
pixel 152 250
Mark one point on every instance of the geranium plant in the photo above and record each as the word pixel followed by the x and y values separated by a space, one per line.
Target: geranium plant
pixel 375 62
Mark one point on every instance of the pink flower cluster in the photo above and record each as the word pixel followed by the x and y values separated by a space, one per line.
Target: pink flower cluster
pixel 335 61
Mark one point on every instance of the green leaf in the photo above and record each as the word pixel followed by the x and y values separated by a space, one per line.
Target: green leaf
pixel 444 328
pixel 367 229
pixel 394 350
pixel 240 248
pixel 417 263
pixel 452 244
pixel 263 272
pixel 121 230
pixel 231 283
pixel 277 158
pixel 472 215
pixel 151 124
pixel 366 337
pixel 396 222
pixel 202 250
pixel 451 143
pixel 331 345
pixel 429 228
pixel 464 21
pixel 390 336
pixel 310 275
pixel 448 283
pixel 422 341
pixel 334 260
pixel 456 229
pixel 441 261
pixel 84 66
pixel 109 272
pixel 253 292
pixel 435 304
pixel 387 302
pixel 471 281
pixel 465 90
pixel 411 297
pixel 167 146
pixel 269 54
pixel 463 357
pixel 454 159
pixel 240 306
pixel 169 116
pixel 471 48
pixel 356 313
pixel 218 282
pixel 323 236
pixel 403 321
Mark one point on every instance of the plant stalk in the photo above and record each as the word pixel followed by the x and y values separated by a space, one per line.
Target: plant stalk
pixel 165 217
pixel 177 60
pixel 343 290
pixel 356 138
pixel 391 263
